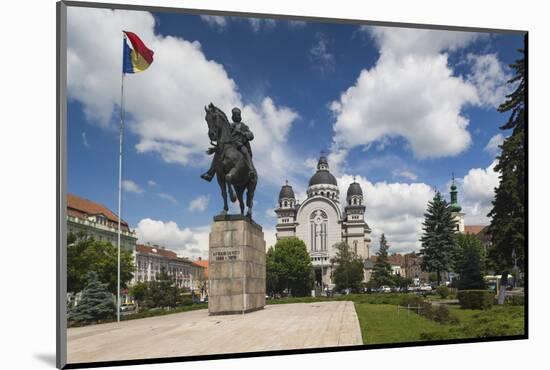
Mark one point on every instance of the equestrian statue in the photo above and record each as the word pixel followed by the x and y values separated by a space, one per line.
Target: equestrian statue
pixel 232 162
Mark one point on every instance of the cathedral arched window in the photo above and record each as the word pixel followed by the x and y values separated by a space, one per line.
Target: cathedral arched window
pixel 318 222
pixel 286 203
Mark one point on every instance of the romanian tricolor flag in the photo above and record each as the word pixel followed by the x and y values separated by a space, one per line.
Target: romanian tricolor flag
pixel 137 58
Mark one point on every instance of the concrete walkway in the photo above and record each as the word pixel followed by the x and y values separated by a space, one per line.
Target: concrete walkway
pixel 277 327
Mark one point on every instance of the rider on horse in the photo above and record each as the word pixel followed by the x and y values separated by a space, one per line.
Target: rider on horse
pixel 241 137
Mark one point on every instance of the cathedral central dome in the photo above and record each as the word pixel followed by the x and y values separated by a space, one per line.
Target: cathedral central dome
pixel 322 176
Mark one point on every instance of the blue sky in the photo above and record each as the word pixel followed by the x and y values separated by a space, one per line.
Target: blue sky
pixel 401 109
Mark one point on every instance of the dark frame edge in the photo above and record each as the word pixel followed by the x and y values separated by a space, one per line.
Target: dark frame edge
pixel 61 174
pixel 287 17
pixel 526 259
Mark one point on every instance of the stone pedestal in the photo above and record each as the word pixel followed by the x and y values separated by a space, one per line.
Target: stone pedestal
pixel 236 266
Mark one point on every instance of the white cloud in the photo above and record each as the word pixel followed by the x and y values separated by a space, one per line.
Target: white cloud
pixel 406 174
pixel 320 55
pixel 258 23
pixel 478 190
pixel 270 212
pixel 85 140
pixel 200 203
pixel 395 209
pixel 400 42
pixel 255 23
pixel 412 92
pixel 165 104
pixel 215 20
pixel 168 197
pixel 492 146
pixel 429 98
pixel 151 183
pixel 269 237
pixel 131 187
pixel 490 78
pixel 188 242
pixel 297 24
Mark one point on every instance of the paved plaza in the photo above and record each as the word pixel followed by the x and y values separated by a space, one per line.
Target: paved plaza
pixel 277 327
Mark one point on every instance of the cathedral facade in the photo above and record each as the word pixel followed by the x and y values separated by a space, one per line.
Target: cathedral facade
pixel 321 222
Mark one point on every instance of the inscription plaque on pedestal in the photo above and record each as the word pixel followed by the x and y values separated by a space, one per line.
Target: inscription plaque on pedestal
pixel 236 268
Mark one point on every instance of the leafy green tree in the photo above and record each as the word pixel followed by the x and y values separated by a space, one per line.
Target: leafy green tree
pixel 139 291
pixel 439 237
pixel 288 266
pixel 272 273
pixel 97 303
pixel 86 254
pixel 507 228
pixel 470 262
pixel 381 272
pixel 401 281
pixel 162 292
pixel 347 268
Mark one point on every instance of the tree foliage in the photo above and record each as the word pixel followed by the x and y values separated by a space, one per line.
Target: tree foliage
pixel 97 303
pixel 507 228
pixel 438 238
pixel 159 293
pixel 470 263
pixel 381 272
pixel 347 268
pixel 288 267
pixel 162 292
pixel 86 254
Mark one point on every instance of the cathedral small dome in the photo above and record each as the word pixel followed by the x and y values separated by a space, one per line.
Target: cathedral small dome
pixel 354 189
pixel 455 207
pixel 286 192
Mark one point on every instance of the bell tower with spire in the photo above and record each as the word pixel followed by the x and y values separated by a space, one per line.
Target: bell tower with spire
pixel 356 231
pixel 286 212
pixel 456 209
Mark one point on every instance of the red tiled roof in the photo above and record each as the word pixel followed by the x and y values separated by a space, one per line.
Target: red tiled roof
pixel 202 263
pixel 81 207
pixel 473 229
pixel 151 249
pixel 393 259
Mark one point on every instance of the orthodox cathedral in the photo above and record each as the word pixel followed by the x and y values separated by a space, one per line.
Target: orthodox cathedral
pixel 321 223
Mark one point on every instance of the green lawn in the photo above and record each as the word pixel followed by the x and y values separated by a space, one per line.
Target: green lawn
pixel 382 324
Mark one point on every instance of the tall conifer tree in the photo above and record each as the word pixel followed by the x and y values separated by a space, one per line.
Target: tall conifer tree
pixel 96 303
pixel 381 274
pixel 439 237
pixel 507 227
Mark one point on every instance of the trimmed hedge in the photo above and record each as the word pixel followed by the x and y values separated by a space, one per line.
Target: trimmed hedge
pixel 443 291
pixel 515 300
pixel 476 299
pixel 438 313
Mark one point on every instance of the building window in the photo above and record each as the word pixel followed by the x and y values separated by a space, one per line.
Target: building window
pixel 318 230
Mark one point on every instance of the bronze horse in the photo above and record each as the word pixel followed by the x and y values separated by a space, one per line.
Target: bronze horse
pixel 231 169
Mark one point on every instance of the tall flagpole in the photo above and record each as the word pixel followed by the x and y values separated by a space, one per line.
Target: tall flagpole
pixel 121 136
